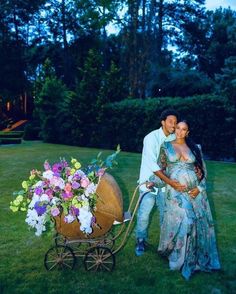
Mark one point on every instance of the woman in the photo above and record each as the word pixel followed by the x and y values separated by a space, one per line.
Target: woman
pixel 187 233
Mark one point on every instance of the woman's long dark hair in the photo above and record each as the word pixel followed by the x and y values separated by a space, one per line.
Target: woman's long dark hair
pixel 195 150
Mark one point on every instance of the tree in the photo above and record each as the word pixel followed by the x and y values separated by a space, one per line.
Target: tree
pixel 227 80
pixel 52 107
pixel 207 43
pixel 84 105
pixel 113 86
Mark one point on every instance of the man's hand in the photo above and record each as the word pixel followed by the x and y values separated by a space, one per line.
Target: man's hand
pixel 193 192
pixel 177 186
pixel 150 185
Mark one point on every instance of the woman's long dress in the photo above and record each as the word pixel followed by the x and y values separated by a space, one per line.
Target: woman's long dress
pixel 187 233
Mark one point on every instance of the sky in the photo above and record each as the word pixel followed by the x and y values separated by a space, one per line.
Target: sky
pixel 210 5
pixel 213 4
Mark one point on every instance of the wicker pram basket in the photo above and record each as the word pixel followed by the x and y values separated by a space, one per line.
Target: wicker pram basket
pixel 108 209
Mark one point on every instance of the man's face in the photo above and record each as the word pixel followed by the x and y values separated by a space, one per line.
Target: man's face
pixel 169 124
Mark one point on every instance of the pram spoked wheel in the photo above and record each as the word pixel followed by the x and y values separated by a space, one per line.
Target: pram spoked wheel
pixel 59 257
pixel 99 259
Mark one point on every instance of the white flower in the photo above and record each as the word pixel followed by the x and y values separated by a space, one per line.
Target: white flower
pixel 38 184
pixel 85 219
pixel 57 182
pixel 44 197
pixel 69 218
pixel 34 199
pixel 80 173
pixel 82 197
pixel 35 221
pixel 54 200
pixel 90 189
pixel 48 174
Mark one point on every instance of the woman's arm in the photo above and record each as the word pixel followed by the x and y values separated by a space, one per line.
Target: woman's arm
pixel 202 183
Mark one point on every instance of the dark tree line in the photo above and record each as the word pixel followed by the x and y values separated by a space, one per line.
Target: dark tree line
pixel 161 49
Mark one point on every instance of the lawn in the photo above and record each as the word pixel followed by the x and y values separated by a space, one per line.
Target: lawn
pixel 22 253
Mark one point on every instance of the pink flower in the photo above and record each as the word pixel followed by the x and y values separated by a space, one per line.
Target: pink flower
pixel 67 188
pixel 49 192
pixel 46 165
pixel 84 182
pixel 55 211
pixel 101 172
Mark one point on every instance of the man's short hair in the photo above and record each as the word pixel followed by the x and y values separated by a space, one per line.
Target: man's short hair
pixel 168 112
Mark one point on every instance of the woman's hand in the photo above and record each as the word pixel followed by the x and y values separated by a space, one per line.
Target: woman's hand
pixel 198 172
pixel 193 192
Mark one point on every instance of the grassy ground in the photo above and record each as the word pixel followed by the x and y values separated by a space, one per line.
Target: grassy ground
pixel 22 253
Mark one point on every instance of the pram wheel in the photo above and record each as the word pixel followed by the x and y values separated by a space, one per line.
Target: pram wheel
pixel 59 257
pixel 99 259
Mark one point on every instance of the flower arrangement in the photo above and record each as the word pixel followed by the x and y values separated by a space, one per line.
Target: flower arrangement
pixel 62 187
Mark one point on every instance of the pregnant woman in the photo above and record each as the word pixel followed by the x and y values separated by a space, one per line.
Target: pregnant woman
pixel 187 233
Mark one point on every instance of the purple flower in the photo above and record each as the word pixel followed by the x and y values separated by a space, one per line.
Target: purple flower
pixel 40 208
pixel 38 191
pixel 75 185
pixel 74 210
pixel 76 177
pixel 47 165
pixel 64 163
pixel 49 192
pixel 66 195
pixel 57 168
pixel 93 220
pixel 55 211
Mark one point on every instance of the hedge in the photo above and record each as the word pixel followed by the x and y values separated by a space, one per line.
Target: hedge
pixel 211 123
pixel 211 118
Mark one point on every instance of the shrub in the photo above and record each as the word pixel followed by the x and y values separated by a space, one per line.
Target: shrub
pixel 211 119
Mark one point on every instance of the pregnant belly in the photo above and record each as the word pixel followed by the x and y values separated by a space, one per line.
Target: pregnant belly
pixel 186 177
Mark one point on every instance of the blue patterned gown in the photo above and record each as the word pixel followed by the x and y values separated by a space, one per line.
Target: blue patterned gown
pixel 187 233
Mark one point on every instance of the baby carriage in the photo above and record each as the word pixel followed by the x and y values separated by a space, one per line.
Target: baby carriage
pixel 99 248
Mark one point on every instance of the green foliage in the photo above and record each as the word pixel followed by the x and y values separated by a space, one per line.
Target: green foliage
pixel 84 105
pixel 180 83
pixel 128 121
pixel 210 41
pixel 113 85
pixel 32 131
pixel 122 124
pixel 227 79
pixel 53 109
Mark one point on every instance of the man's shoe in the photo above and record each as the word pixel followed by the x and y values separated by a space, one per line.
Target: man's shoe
pixel 140 247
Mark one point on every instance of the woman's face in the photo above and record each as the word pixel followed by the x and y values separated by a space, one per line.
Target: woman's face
pixel 181 130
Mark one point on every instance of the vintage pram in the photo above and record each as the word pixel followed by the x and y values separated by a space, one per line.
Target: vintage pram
pixel 99 248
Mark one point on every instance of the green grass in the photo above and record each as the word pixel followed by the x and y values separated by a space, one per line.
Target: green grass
pixel 11 134
pixel 22 253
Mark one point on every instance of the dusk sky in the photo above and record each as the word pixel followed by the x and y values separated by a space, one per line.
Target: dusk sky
pixel 210 4
pixel 213 4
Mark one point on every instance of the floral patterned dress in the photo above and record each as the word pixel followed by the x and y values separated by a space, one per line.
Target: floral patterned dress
pixel 187 233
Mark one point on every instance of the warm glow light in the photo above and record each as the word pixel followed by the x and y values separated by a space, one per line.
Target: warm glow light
pixel 8 106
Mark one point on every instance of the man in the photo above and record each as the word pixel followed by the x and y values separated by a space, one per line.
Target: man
pixel 149 166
